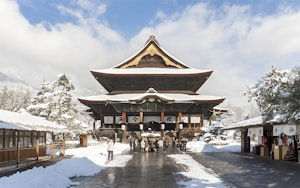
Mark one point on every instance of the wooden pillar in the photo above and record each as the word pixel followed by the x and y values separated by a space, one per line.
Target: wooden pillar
pixel 62 152
pixel 177 125
pixel 179 119
pixel 141 117
pixel 123 122
pixel 37 149
pixel 123 117
pixel 189 122
pixel 52 145
pixel 18 148
pixel 162 116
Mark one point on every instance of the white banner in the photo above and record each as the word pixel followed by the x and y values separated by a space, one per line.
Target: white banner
pixel 185 119
pixel 195 119
pixel 118 119
pixel 277 130
pixel 258 131
pixel 251 132
pixel 148 119
pixel 289 130
pixel 170 119
pixel 133 119
pixel 108 119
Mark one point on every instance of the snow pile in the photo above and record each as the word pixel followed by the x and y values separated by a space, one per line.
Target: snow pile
pixel 197 174
pixel 201 146
pixel 85 162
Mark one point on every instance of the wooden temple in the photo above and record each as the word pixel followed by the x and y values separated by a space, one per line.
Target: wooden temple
pixel 151 91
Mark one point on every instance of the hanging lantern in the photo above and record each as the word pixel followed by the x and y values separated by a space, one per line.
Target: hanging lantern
pixel 141 126
pixel 162 126
pixel 180 126
pixel 123 127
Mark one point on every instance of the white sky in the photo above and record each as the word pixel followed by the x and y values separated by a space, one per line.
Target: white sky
pixel 88 161
pixel 238 42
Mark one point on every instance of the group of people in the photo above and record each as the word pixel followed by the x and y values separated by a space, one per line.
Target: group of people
pixel 148 144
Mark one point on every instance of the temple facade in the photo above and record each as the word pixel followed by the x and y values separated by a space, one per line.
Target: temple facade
pixel 151 92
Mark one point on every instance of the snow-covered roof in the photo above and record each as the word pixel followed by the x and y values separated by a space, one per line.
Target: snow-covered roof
pixel 152 71
pixel 152 40
pixel 254 122
pixel 176 97
pixel 16 120
pixel 5 125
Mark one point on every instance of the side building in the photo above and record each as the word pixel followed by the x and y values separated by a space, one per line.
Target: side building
pixel 151 92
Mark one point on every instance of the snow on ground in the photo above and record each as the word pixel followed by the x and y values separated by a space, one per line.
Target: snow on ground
pixel 197 174
pixel 88 161
pixel 201 146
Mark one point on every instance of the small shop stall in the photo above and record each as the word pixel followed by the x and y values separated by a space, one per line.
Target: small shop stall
pixel 23 136
pixel 285 144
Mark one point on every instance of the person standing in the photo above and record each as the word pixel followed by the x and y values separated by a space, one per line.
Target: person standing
pixel 110 149
pixel 160 145
pixel 143 145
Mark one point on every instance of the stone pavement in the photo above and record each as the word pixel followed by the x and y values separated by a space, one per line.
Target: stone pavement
pixel 241 170
pixel 150 169
pixel 248 170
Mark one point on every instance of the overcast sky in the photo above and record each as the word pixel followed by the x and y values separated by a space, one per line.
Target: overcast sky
pixel 239 40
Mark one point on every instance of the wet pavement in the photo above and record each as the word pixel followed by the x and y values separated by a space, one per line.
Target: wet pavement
pixel 150 169
pixel 241 170
pixel 249 170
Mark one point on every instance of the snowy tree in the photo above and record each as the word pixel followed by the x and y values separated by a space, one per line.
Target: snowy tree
pixel 14 98
pixel 54 102
pixel 278 93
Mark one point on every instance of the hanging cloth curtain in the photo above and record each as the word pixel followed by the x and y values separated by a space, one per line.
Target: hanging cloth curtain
pixel 258 131
pixel 277 130
pixel 289 130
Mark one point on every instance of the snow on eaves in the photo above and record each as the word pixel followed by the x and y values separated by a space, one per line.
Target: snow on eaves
pixel 134 96
pixel 256 121
pixel 28 122
pixel 152 71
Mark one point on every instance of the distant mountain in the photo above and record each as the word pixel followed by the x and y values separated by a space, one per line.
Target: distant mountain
pixel 5 78
pixel 14 83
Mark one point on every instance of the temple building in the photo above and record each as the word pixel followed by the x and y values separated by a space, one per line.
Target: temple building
pixel 151 92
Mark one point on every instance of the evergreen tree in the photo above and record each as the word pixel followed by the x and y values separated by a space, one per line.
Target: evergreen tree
pixel 54 102
pixel 277 93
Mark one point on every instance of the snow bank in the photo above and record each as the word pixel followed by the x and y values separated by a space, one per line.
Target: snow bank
pixel 197 173
pixel 86 161
pixel 201 146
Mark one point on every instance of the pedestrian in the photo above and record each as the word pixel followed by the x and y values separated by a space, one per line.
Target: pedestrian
pixel 131 143
pixel 110 149
pixel 160 145
pixel 143 145
pixel 146 145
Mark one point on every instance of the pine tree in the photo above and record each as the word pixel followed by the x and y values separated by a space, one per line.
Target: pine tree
pixel 277 93
pixel 54 102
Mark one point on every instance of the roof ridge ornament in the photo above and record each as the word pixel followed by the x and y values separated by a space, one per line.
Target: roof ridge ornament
pixel 151 90
pixel 152 38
